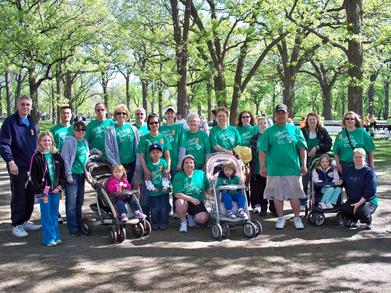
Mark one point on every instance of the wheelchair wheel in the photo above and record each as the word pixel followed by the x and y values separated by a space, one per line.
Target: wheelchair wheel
pixel 340 219
pixel 249 229
pixel 86 226
pixel 226 230
pixel 319 219
pixel 147 227
pixel 113 235
pixel 121 234
pixel 138 230
pixel 310 218
pixel 259 228
pixel 217 231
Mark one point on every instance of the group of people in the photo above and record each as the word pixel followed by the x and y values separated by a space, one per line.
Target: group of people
pixel 159 159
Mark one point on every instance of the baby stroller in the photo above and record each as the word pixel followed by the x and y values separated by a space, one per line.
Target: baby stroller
pixel 222 225
pixel 97 173
pixel 316 215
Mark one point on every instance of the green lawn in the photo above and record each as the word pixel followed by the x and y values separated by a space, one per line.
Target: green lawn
pixel 45 125
pixel 383 159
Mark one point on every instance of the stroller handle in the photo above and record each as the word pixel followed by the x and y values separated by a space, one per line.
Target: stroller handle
pixel 230 187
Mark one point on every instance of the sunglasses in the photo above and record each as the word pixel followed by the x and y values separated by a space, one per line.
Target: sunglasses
pixel 80 129
pixel 100 110
pixel 121 113
pixel 347 118
pixel 245 117
pixel 154 123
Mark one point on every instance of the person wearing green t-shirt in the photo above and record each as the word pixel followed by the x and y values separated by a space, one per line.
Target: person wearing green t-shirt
pixel 197 141
pixel 283 158
pixel 189 187
pixel 60 131
pixel 352 136
pixel 224 137
pixel 121 141
pixel 246 127
pixel 75 153
pixel 140 116
pixel 96 129
pixel 175 134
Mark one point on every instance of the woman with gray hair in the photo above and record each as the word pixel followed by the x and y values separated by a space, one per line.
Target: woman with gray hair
pixel 198 144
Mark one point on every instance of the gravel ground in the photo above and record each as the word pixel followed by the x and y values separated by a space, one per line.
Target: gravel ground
pixel 316 259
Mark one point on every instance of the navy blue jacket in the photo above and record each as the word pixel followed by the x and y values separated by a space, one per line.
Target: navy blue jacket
pixel 360 183
pixel 17 141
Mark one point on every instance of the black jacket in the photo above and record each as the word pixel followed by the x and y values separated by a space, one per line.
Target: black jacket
pixel 325 141
pixel 38 167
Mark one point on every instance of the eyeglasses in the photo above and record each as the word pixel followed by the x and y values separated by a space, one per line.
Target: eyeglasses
pixel 139 114
pixel 350 118
pixel 80 129
pixel 154 123
pixel 121 113
pixel 245 117
pixel 100 110
pixel 25 104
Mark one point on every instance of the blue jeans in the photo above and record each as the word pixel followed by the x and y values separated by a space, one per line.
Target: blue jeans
pixel 160 208
pixel 330 194
pixel 227 199
pixel 49 217
pixel 74 199
pixel 144 199
pixel 120 203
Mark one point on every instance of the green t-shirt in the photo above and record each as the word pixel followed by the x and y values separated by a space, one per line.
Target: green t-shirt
pixel 312 142
pixel 125 140
pixel 175 135
pixel 157 170
pixel 359 138
pixel 228 181
pixel 193 186
pixel 147 140
pixel 281 145
pixel 49 159
pixel 80 158
pixel 226 138
pixel 246 133
pixel 60 133
pixel 197 145
pixel 142 130
pixel 95 134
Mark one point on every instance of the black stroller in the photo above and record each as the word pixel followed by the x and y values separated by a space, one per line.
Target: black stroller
pixel 97 173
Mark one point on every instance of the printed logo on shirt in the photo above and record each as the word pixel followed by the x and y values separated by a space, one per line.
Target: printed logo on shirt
pixel 173 132
pixel 192 144
pixel 283 137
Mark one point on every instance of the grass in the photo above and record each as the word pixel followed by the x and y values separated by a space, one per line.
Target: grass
pixel 383 159
pixel 45 125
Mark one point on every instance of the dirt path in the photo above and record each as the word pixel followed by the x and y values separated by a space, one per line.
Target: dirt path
pixel 327 258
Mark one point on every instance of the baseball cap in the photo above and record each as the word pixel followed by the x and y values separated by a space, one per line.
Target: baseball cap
pixel 281 107
pixel 170 108
pixel 155 146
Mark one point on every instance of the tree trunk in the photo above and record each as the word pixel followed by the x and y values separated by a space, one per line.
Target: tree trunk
pixel 208 94
pixel 371 92
pixel 144 91
pixel 127 88
pixel 33 87
pixel 343 97
pixel 288 92
pixel 355 55
pixel 8 92
pixel 68 94
pixel 53 104
pixel 220 89
pixel 19 82
pixel 1 101
pixel 386 86
pixel 326 92
pixel 58 95
pixel 105 82
pixel 160 99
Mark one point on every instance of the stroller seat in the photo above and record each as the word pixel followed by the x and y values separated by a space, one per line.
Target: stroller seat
pixel 222 209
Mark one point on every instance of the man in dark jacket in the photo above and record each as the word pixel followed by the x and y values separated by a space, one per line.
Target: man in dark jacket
pixel 18 140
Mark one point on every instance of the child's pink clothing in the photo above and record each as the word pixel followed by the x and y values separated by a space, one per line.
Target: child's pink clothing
pixel 116 185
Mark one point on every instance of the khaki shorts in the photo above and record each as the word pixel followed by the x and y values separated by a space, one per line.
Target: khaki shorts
pixel 283 188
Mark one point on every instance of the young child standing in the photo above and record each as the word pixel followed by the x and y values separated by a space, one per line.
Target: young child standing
pixel 158 188
pixel 323 175
pixel 228 177
pixel 47 172
pixel 118 185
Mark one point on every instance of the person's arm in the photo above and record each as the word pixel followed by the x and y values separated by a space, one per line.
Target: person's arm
pixel 303 159
pixel 262 156
pixel 185 197
pixel 371 160
pixel 110 146
pixel 5 147
pixel 112 185
pixel 147 173
pixel 325 141
pixel 167 157
pixel 338 163
pixel 220 149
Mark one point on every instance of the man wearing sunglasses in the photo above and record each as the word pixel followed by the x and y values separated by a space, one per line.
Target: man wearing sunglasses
pixel 18 140
pixel 97 128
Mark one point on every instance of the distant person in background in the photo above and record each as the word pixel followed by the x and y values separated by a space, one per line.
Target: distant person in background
pixel 203 124
pixel 389 124
pixel 18 141
pixel 214 115
pixel 181 121
pixel 140 116
pixel 96 129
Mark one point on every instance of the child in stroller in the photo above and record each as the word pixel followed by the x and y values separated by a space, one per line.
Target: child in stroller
pixel 326 180
pixel 118 185
pixel 228 177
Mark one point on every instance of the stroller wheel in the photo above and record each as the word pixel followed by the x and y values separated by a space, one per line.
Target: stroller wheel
pixel 121 234
pixel 113 235
pixel 217 231
pixel 138 230
pixel 147 227
pixel 249 229
pixel 319 219
pixel 226 230
pixel 340 219
pixel 311 218
pixel 86 226
pixel 259 228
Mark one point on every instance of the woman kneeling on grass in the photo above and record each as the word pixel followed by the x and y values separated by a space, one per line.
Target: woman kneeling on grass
pixel 361 186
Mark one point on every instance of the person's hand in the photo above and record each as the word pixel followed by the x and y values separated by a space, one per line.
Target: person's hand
pixel 166 173
pixel 69 179
pixel 339 168
pixel 303 170
pixel 195 201
pixel 147 175
pixel 312 152
pixel 338 182
pixel 263 172
pixel 13 168
pixel 372 166
pixel 355 207
pixel 57 189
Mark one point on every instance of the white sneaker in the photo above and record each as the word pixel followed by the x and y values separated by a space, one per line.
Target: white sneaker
pixel 280 224
pixel 183 227
pixel 30 226
pixel 257 209
pixel 298 223
pixel 329 205
pixel 19 231
pixel 190 221
pixel 302 207
pixel 322 205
